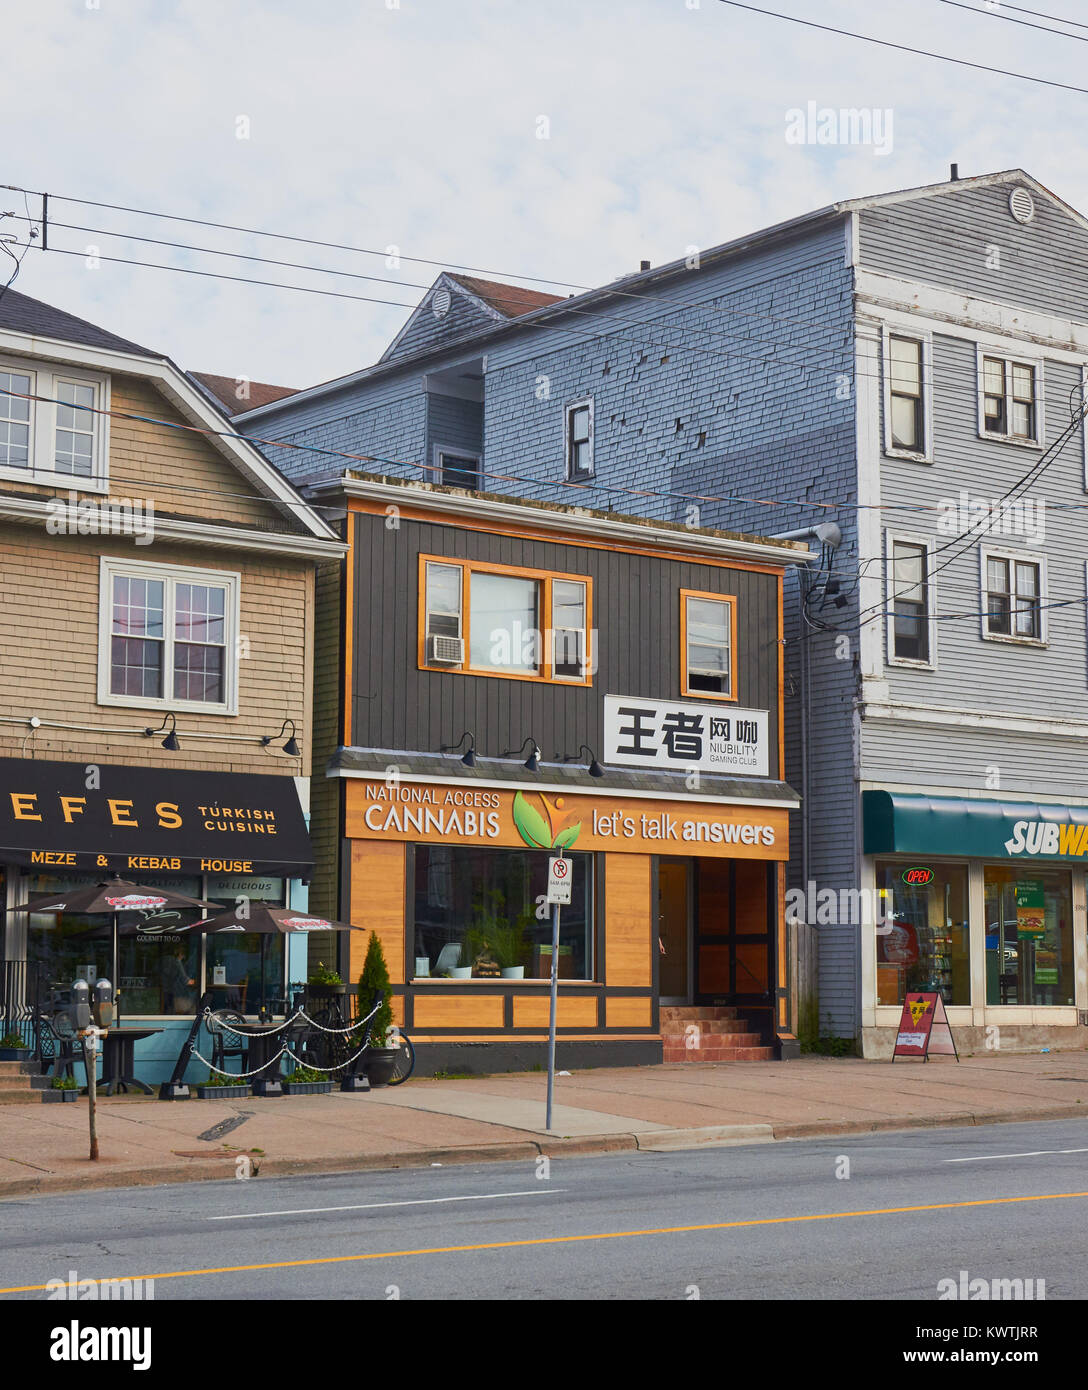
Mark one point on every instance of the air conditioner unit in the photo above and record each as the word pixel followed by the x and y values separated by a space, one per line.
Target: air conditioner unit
pixel 446 651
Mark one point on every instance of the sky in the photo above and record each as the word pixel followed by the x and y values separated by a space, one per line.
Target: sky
pixel 565 141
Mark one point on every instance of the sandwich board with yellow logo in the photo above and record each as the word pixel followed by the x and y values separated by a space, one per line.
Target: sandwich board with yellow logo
pixel 924 1029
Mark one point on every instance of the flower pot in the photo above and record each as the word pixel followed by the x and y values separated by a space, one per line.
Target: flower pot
pixel 54 1095
pixel 223 1092
pixel 325 991
pixel 378 1064
pixel 513 972
pixel 307 1088
pixel 460 972
pixel 14 1054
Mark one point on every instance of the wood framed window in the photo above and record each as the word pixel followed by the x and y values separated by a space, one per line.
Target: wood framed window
pixel 1013 593
pixel 1010 399
pixel 708 645
pixel 911 629
pixel 908 428
pixel 61 437
pixel 579 439
pixel 479 619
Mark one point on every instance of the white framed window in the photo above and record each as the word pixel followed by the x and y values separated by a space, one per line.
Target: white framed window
pixel 578 429
pixel 1010 397
pixel 910 605
pixel 908 393
pixel 60 438
pixel 456 467
pixel 168 637
pixel 1013 596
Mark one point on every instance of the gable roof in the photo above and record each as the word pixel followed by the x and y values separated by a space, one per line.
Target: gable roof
pixel 224 391
pixel 22 314
pixel 511 301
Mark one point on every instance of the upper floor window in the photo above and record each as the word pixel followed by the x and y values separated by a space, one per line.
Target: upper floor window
pixel 1008 405
pixel 167 637
pixel 911 638
pixel 494 620
pixel 1013 592
pixel 580 439
pixel 456 468
pixel 53 425
pixel 906 391
pixel 708 642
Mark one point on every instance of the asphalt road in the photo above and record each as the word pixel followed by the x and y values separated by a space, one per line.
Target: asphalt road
pixel 630 1226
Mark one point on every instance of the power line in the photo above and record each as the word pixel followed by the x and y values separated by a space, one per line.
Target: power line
pixel 1011 19
pixel 905 48
pixel 1039 14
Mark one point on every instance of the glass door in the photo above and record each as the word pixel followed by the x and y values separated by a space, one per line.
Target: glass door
pixel 674 931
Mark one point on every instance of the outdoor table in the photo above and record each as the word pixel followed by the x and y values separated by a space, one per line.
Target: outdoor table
pixel 118 1062
pixel 265 1040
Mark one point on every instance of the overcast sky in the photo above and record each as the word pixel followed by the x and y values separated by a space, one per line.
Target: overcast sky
pixel 417 124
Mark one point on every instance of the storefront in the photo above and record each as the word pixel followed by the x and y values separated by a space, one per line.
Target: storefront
pixel 214 836
pixel 983 902
pixel 674 900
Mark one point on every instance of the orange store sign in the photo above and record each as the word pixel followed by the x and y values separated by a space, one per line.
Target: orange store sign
pixel 431 813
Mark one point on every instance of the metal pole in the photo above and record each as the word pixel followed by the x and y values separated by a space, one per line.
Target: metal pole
pixel 551 1019
pixel 90 1061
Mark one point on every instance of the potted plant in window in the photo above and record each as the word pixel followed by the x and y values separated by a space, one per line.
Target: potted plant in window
pixel 379 1057
pixel 510 947
pixel 62 1088
pixel 306 1081
pixel 225 1087
pixel 13 1048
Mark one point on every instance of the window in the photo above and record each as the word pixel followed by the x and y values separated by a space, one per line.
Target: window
pixel 167 637
pixel 482 619
pixel 475 912
pixel 923 938
pixel 906 387
pixel 909 601
pixel 1013 595
pixel 1008 399
pixel 708 641
pixel 580 440
pixel 60 437
pixel 1029 935
pixel 458 469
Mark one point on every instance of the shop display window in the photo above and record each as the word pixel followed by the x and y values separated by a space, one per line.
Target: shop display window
pixel 1029 935
pixel 479 912
pixel 923 942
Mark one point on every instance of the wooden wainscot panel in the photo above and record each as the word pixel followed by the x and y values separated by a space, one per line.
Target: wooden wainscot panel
pixel 377 903
pixel 628 919
pixel 628 1013
pixel 570 1013
pixel 457 1011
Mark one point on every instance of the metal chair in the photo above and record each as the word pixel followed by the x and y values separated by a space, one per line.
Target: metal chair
pixel 225 1043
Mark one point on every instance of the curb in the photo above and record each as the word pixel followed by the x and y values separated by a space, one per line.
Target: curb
pixel 654 1141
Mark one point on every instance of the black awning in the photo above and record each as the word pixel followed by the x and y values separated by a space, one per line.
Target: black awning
pixel 135 820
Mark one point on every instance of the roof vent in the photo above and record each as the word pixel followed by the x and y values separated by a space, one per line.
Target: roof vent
pixel 440 303
pixel 1021 205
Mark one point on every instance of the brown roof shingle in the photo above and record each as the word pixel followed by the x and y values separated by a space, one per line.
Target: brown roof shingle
pixel 225 391
pixel 509 300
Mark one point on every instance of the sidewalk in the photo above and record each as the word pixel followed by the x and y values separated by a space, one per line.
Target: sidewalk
pixel 43 1148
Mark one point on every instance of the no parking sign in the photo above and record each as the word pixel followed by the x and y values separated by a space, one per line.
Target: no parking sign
pixel 559 877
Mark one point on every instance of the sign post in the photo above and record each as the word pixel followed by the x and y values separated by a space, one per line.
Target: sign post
pixel 559 877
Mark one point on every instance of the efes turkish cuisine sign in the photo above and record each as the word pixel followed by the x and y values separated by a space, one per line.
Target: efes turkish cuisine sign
pixel 141 819
pixel 438 813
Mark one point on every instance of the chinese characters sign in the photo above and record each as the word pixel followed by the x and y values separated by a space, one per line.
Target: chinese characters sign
pixel 660 733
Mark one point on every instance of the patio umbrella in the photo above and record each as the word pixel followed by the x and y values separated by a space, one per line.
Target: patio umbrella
pixel 268 921
pixel 113 896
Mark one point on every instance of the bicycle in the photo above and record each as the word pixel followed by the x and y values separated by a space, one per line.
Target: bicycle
pixel 406 1055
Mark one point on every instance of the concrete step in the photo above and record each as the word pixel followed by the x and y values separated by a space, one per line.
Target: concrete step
pixel 718 1054
pixel 19 1096
pixel 713 1040
pixel 692 1013
pixel 678 1028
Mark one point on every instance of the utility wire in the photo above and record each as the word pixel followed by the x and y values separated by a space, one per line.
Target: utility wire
pixel 1011 19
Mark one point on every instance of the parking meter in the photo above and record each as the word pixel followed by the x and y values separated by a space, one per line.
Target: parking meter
pixel 80 1008
pixel 103 1004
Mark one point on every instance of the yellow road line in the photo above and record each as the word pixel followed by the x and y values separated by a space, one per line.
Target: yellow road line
pixel 567 1240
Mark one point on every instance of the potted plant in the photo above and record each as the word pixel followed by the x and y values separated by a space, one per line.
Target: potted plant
pixel 379 1058
pixel 306 1081
pixel 13 1048
pixel 225 1087
pixel 62 1088
pixel 510 948
pixel 324 983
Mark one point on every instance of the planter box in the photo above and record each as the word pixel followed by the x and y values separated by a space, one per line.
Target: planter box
pixel 14 1054
pixel 378 1063
pixel 222 1092
pixel 53 1095
pixel 307 1088
pixel 325 991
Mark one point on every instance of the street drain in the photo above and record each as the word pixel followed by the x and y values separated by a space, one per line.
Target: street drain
pixel 225 1126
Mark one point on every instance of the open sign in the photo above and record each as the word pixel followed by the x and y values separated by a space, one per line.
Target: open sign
pixel 918 876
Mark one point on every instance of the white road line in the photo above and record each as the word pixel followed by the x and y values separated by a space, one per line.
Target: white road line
pixel 1032 1153
pixel 372 1206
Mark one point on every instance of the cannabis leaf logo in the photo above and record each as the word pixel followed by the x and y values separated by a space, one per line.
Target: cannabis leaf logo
pixel 543 829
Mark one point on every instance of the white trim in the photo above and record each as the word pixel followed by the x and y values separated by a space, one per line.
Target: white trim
pixel 891 535
pixel 565 789
pixel 585 402
pixel 1015 557
pixel 867 356
pixel 1010 798
pixel 191 403
pixel 42 470
pixel 579 520
pixel 983 349
pixel 925 340
pixel 169 575
pixel 902 711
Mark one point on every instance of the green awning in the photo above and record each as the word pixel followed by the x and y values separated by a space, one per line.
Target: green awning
pixel 897 823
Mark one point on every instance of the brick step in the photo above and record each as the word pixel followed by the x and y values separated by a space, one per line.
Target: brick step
pixel 21 1080
pixel 718 1054
pixel 692 1013
pixel 14 1068
pixel 713 1040
pixel 677 1028
pixel 19 1096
